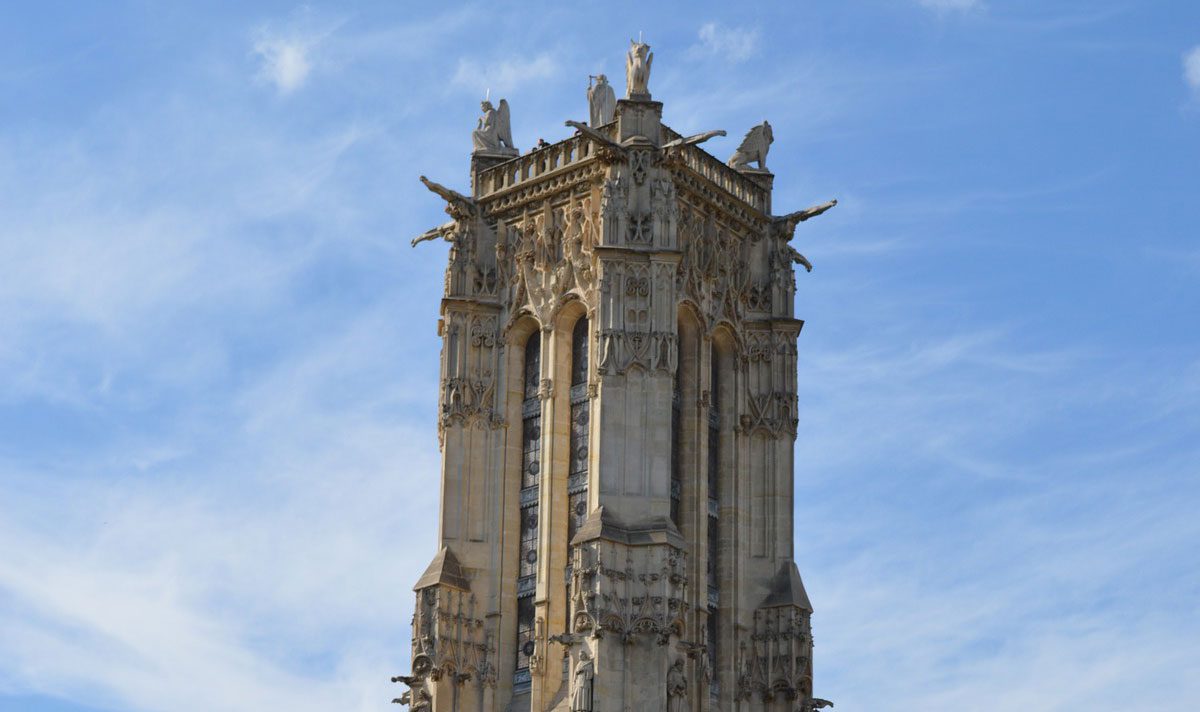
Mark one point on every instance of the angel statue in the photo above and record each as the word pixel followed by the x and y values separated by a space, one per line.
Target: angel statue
pixel 494 132
pixel 602 101
pixel 637 70
pixel 754 148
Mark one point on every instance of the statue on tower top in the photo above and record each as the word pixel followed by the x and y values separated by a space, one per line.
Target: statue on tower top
pixel 753 148
pixel 637 70
pixel 493 133
pixel 602 101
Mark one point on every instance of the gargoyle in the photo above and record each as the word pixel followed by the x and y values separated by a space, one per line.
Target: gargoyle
pixel 614 150
pixel 443 231
pixel 785 227
pixel 458 206
pixel 787 223
pixel 693 140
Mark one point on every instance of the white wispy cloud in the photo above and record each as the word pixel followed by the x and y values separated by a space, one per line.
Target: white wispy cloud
pixel 1191 68
pixel 195 556
pixel 284 62
pixel 735 44
pixel 287 52
pixel 504 75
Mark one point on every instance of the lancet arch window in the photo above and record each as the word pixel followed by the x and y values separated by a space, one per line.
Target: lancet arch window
pixel 713 473
pixel 580 429
pixel 577 478
pixel 677 446
pixel 531 470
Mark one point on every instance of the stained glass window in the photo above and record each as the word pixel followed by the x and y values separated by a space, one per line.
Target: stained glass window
pixel 531 453
pixel 577 474
pixel 714 530
pixel 676 437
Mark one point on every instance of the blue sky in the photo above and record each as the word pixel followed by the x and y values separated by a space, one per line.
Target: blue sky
pixel 218 460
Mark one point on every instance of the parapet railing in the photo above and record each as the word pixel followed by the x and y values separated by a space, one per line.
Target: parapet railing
pixel 535 164
pixel 576 149
pixel 713 170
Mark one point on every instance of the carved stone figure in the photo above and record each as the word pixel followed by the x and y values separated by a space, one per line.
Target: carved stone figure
pixel 493 133
pixel 785 227
pixel 694 139
pixel 581 689
pixel 677 694
pixel 602 101
pixel 417 699
pixel 818 703
pixel 458 206
pixel 787 223
pixel 637 70
pixel 704 664
pixel 421 701
pixel 791 254
pixel 754 148
pixel 611 150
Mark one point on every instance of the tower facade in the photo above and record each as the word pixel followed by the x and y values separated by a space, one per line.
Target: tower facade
pixel 617 419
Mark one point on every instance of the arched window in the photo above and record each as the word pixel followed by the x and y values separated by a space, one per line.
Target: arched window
pixel 676 446
pixel 577 482
pixel 531 468
pixel 577 475
pixel 714 530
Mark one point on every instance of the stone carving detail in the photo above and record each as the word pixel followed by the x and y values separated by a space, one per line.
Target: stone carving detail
pixel 775 659
pixel 450 640
pixel 784 226
pixel 468 271
pixel 754 147
pixel 639 165
pixel 602 101
pixel 637 303
pixel 641 229
pixel 493 133
pixel 665 210
pixel 637 70
pixel 471 361
pixel 758 296
pixel 554 253
pixel 417 698
pixel 714 271
pixel 614 208
pixel 771 399
pixel 677 687
pixel 581 689
pixel 629 591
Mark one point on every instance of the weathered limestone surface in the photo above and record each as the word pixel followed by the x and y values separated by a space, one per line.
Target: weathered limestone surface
pixel 617 419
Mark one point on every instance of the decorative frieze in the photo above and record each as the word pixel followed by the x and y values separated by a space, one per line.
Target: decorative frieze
pixel 774 660
pixel 470 363
pixel 626 584
pixel 638 321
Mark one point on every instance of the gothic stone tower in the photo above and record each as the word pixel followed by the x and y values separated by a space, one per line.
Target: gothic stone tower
pixel 618 413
